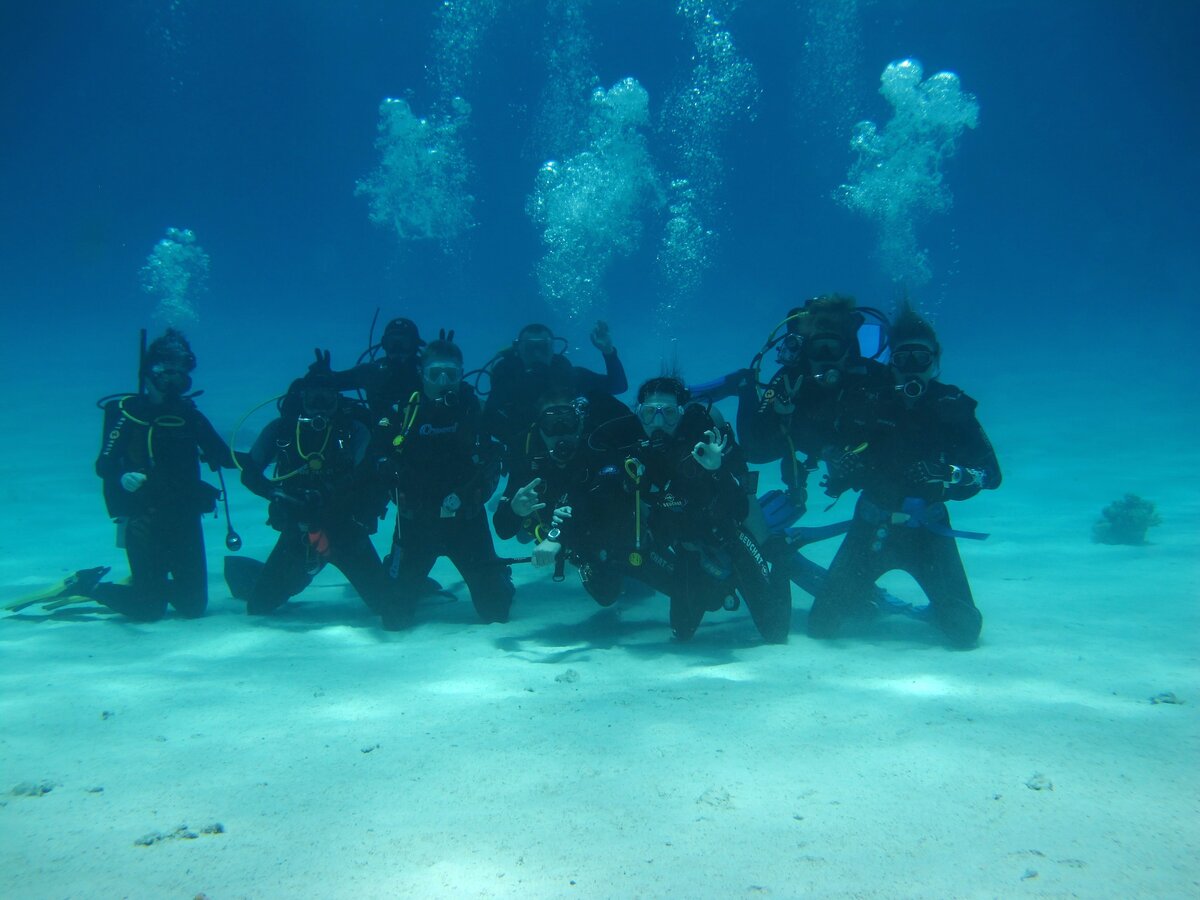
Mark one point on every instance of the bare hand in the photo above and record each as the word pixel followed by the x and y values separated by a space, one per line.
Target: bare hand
pixel 545 553
pixel 601 338
pixel 525 502
pixel 133 481
pixel 710 451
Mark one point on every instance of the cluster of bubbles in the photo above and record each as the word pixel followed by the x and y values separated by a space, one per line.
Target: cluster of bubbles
pixel 561 127
pixel 829 60
pixel 175 274
pixel 420 189
pixel 590 206
pixel 594 204
pixel 721 91
pixel 686 248
pixel 460 29
pixel 420 186
pixel 168 23
pixel 897 179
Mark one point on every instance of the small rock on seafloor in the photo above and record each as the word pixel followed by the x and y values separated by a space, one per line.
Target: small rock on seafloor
pixel 33 788
pixel 1166 697
pixel 1039 782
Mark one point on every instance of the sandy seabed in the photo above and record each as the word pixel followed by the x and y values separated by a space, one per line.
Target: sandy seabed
pixel 580 752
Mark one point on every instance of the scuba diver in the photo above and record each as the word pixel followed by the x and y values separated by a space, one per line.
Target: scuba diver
pixel 552 465
pixel 910 446
pixel 821 356
pixel 524 372
pixel 150 455
pixel 819 360
pixel 387 381
pixel 688 539
pixel 444 467
pixel 325 496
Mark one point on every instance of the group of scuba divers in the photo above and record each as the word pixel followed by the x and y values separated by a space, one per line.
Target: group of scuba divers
pixel 660 494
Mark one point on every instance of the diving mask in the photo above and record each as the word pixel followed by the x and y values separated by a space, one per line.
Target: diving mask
pixel 667 414
pixel 442 375
pixel 558 421
pixel 170 380
pixel 912 358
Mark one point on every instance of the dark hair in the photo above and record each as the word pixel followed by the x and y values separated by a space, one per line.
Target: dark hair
pixel 665 384
pixel 442 349
pixel 909 325
pixel 534 326
pixel 829 314
pixel 172 346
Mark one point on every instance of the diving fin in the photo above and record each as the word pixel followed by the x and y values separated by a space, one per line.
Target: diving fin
pixel 76 585
pixel 69 600
pixel 433 588
pixel 241 574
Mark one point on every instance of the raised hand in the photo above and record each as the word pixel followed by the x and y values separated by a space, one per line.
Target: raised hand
pixel 321 365
pixel 525 501
pixel 711 451
pixel 601 338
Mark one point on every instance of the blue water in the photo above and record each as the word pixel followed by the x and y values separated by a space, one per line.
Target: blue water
pixel 250 123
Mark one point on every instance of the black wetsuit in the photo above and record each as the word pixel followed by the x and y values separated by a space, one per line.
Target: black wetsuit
pixel 516 389
pixel 387 382
pixel 161 520
pixel 901 521
pixel 326 498
pixel 689 542
pixel 565 482
pixel 445 469
pixel 794 419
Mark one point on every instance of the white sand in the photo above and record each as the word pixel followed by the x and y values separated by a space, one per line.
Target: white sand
pixel 458 760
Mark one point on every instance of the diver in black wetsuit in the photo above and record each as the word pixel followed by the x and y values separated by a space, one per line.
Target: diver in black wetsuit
pixel 388 381
pixel 326 498
pixel 793 418
pixel 686 537
pixel 445 467
pixel 549 470
pixel 149 461
pixel 909 447
pixel 523 373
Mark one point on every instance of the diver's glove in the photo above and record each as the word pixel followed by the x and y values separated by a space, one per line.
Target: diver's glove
pixel 321 365
pixel 844 468
pixel 133 481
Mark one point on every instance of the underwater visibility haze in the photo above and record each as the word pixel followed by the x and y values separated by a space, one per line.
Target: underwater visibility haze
pixel 271 177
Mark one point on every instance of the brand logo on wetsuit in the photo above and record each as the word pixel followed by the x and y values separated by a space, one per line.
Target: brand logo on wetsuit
pixel 113 436
pixel 662 562
pixel 749 544
pixel 427 430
